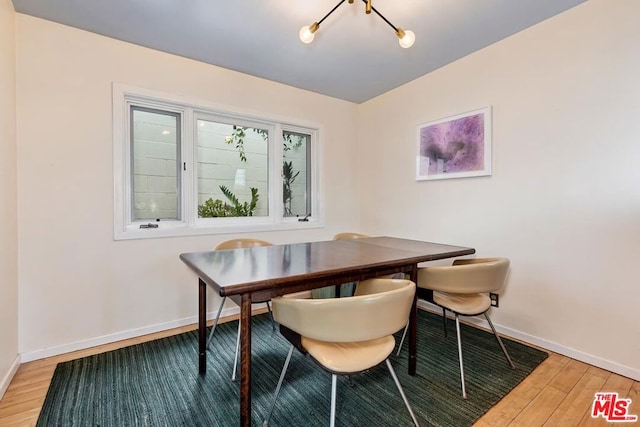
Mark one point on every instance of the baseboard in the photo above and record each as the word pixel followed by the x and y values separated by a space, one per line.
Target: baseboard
pixel 608 365
pixel 6 380
pixel 111 338
pixel 133 333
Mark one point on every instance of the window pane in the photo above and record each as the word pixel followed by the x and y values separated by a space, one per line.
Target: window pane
pixel 296 174
pixel 155 160
pixel 232 170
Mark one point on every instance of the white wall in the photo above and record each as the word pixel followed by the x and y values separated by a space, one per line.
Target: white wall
pixel 564 198
pixel 562 203
pixel 8 221
pixel 76 283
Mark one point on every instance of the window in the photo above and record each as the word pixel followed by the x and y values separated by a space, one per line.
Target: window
pixel 155 159
pixel 296 182
pixel 232 166
pixel 183 167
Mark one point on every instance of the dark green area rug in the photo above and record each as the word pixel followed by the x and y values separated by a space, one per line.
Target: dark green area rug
pixel 157 383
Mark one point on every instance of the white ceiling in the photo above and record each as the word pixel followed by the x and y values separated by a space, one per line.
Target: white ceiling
pixel 354 56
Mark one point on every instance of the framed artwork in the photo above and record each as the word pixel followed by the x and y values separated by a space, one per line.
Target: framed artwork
pixel 455 147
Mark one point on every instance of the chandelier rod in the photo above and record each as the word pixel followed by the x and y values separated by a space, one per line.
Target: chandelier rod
pixel 381 16
pixel 406 38
pixel 330 12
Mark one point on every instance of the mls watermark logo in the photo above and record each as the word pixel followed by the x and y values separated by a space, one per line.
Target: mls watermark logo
pixel 612 408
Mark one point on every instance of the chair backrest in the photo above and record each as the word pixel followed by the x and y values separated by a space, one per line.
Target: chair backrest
pixel 466 276
pixel 351 319
pixel 372 286
pixel 241 243
pixel 347 236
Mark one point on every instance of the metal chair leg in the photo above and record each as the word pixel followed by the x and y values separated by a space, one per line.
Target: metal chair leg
pixel 213 329
pixel 404 334
pixel 235 359
pixel 406 402
pixel 406 328
pixel 215 322
pixel 273 322
pixel 504 349
pixel 332 421
pixel 464 392
pixel 265 423
pixel 444 321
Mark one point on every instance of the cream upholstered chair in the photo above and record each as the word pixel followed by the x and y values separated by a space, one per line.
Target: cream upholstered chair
pixel 346 288
pixel 346 336
pixel 463 288
pixel 241 243
pixel 349 288
pixel 346 236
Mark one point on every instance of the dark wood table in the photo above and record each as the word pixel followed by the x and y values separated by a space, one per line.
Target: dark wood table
pixel 260 273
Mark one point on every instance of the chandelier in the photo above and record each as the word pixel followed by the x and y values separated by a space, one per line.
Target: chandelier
pixel 406 38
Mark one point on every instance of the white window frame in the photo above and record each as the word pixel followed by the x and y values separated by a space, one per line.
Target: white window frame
pixel 190 109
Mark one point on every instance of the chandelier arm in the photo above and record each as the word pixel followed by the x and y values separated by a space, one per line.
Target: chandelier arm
pixel 406 38
pixel 380 15
pixel 330 12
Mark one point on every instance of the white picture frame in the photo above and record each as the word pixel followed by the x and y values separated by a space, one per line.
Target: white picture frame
pixel 455 147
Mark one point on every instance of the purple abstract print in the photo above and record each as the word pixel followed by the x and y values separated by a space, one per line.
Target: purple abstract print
pixel 453 146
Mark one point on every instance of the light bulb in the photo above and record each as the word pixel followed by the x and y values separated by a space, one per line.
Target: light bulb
pixel 408 39
pixel 306 35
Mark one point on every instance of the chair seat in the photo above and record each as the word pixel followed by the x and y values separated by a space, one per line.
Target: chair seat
pixel 351 357
pixel 466 304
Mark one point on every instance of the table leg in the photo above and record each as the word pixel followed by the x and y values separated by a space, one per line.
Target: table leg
pixel 202 326
pixel 245 361
pixel 413 327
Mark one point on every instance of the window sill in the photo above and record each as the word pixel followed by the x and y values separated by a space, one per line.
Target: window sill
pixel 183 230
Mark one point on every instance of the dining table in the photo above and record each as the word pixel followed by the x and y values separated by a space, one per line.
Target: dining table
pixel 247 275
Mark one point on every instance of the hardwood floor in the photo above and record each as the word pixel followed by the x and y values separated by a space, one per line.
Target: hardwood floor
pixel 558 393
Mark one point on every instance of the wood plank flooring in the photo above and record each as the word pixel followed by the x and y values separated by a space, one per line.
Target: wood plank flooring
pixel 559 392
